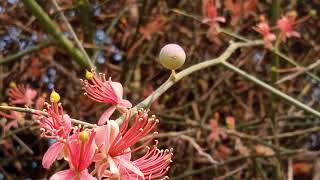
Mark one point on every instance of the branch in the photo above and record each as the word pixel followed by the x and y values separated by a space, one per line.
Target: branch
pixel 299 72
pixel 271 89
pixel 198 148
pixel 194 68
pixel 52 28
pixel 38 112
pixel 73 34
pixel 22 53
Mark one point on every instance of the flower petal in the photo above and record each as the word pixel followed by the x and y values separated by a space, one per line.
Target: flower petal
pixel 63 175
pixel 84 175
pixel 125 103
pixel 30 94
pixel 131 167
pixel 106 115
pixel 67 123
pixel 101 168
pixel 118 89
pixel 113 132
pixel 101 137
pixel 113 166
pixel 51 155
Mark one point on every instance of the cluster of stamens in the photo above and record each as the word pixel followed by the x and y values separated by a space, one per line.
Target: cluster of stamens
pixel 99 88
pixel 155 163
pixel 127 137
pixel 56 125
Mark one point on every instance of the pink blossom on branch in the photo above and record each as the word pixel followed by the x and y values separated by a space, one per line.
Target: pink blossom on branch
pixel 56 126
pixel 286 25
pixel 20 94
pixel 105 91
pixel 80 151
pixel 211 16
pixel 114 157
pixel 264 29
pixel 13 118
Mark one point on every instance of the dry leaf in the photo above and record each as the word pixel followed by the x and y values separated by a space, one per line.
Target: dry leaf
pixel 301 167
pixel 264 150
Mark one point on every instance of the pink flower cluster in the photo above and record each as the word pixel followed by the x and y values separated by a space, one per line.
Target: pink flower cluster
pixel 108 147
pixel 18 95
pixel 211 17
pixel 286 26
pixel 101 90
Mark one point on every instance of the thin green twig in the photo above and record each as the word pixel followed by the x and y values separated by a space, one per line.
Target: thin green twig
pixel 52 28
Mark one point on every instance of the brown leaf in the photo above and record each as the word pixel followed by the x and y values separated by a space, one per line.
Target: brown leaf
pixel 263 150
pixel 301 168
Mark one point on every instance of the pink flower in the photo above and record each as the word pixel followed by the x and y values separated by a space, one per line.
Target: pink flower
pixel 57 126
pixel 211 16
pixel 105 91
pixel 80 152
pixel 264 29
pixel 21 94
pixel 14 117
pixel 286 25
pixel 114 145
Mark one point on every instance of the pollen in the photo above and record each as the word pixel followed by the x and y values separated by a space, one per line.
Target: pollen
pixel 89 75
pixel 54 97
pixel 84 136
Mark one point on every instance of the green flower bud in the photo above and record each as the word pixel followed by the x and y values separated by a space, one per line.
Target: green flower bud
pixel 312 13
pixel 172 56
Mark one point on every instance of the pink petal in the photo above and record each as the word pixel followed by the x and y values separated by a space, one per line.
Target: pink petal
pixel 106 115
pixel 99 156
pixel 125 103
pixel 84 175
pixel 221 19
pixel 51 155
pixel 106 135
pixel 131 167
pixel 30 94
pixel 127 155
pixel 63 175
pixel 67 123
pixel 101 168
pixel 113 166
pixel 118 89
pixel 101 137
pixel 114 131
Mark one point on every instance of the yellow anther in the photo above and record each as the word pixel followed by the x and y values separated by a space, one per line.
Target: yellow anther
pixel 84 136
pixel 54 97
pixel 89 75
pixel 293 13
pixel 230 122
pixel 13 84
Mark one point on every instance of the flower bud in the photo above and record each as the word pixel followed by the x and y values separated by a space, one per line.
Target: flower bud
pixel 172 56
pixel 84 136
pixel 313 13
pixel 89 75
pixel 13 84
pixel 292 13
pixel 54 97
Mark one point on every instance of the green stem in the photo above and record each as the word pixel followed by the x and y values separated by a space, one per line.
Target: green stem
pixel 274 77
pixel 52 28
pixel 85 18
